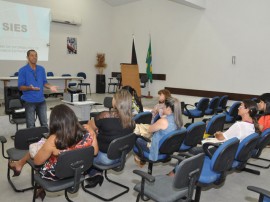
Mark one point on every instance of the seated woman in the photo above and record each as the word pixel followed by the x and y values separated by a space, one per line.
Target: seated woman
pixel 241 129
pixel 66 133
pixel 172 120
pixel 157 111
pixel 109 125
pixel 136 102
pixel 264 107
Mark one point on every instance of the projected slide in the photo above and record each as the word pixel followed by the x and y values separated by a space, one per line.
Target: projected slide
pixel 22 28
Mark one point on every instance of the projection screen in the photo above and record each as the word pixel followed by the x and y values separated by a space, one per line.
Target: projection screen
pixel 23 27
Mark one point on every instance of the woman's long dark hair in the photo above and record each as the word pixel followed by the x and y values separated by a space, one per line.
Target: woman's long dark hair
pixel 65 126
pixel 253 109
pixel 266 99
pixel 133 92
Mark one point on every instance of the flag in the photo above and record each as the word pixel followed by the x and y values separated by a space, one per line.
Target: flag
pixel 149 63
pixel 133 56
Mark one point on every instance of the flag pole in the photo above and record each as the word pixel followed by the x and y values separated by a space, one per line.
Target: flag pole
pixel 149 95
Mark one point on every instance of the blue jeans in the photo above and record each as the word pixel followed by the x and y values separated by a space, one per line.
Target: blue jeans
pixel 40 108
pixel 143 144
pixel 101 159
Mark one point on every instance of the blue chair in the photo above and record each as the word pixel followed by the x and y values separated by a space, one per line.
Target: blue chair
pixel 199 111
pixel 143 117
pixel 169 144
pixel 222 103
pixel 244 151
pixel 212 107
pixel 118 149
pixel 15 74
pixel 264 194
pixel 194 136
pixel 263 141
pixel 50 74
pixel 70 84
pixel 232 114
pixel 82 74
pixel 216 165
pixel 216 123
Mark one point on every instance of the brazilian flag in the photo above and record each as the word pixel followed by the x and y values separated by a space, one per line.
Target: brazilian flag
pixel 149 63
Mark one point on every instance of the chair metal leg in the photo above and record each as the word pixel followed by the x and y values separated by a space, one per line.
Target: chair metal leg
pixel 126 189
pixel 260 166
pixel 256 172
pixel 198 194
pixel 13 186
pixel 66 196
pixel 150 168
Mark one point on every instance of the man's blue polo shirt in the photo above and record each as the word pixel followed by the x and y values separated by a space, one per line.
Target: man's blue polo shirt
pixel 37 78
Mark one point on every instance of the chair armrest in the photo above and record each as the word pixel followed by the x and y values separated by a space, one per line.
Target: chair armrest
pixel 144 175
pixel 144 138
pixel 182 156
pixel 3 139
pixel 259 190
pixel 206 150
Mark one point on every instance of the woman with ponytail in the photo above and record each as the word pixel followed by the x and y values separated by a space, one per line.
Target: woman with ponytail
pixel 241 129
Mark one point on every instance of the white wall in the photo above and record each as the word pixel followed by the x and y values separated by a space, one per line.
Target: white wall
pixel 194 48
pixel 94 35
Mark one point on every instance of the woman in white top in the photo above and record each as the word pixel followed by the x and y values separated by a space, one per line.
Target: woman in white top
pixel 241 129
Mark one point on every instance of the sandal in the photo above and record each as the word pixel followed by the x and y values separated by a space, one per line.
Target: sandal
pixel 15 172
pixel 40 193
pixel 139 162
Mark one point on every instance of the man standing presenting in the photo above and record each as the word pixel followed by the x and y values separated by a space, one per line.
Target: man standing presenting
pixel 32 79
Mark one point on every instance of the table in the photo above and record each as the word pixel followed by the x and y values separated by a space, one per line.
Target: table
pixel 6 80
pixel 81 109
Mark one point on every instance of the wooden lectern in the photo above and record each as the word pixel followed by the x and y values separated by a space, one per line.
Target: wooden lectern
pixel 131 77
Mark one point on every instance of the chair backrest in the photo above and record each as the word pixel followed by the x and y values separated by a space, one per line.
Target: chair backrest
pixel 190 167
pixel 27 136
pixel 215 124
pixel 233 111
pixel 143 117
pixel 246 147
pixel 195 133
pixel 144 80
pixel 171 142
pixel 119 78
pixel 50 74
pixel 121 146
pixel 263 141
pixel 213 104
pixel 66 75
pixel 81 74
pixel 223 102
pixel 16 74
pixel 107 102
pixel 223 157
pixel 74 163
pixel 68 161
pixel 203 104
pixel 15 104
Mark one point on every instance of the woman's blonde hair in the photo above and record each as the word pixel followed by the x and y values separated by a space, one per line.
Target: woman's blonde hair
pixel 175 106
pixel 123 104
